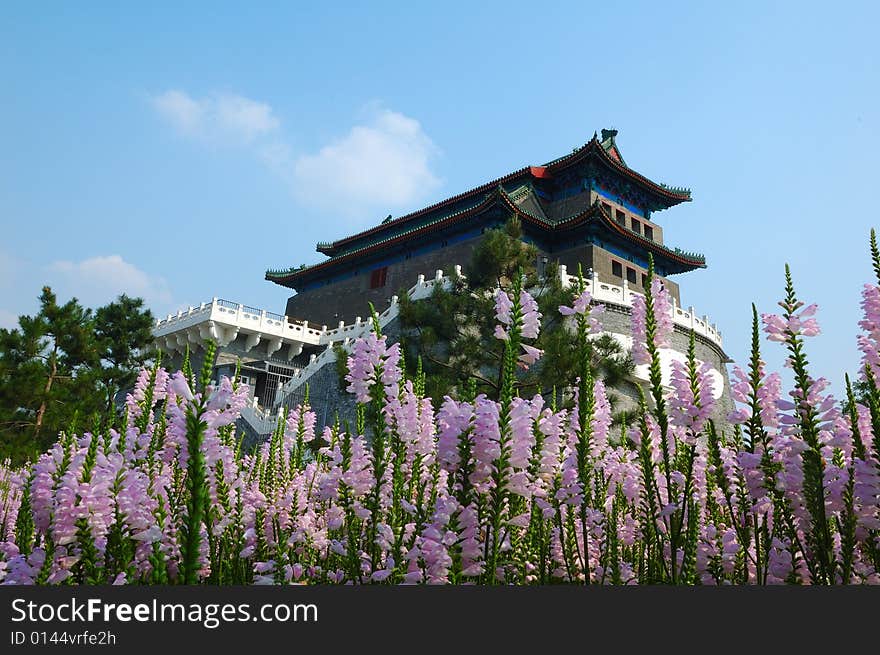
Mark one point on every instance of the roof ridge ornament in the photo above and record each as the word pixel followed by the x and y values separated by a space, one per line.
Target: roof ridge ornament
pixel 675 189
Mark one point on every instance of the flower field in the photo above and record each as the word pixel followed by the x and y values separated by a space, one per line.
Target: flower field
pixel 513 490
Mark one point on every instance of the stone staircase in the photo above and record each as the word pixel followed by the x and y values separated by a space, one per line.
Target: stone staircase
pixel 256 420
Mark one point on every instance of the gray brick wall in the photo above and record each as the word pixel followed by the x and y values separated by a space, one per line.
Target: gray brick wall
pixel 347 299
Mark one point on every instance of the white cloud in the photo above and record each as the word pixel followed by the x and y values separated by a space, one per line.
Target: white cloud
pixel 183 112
pixel 384 163
pixel 220 117
pixel 245 116
pixel 99 280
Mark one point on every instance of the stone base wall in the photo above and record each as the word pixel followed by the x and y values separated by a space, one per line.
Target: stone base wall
pixel 617 320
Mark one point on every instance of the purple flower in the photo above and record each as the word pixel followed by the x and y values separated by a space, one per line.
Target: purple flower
pixel 471 547
pixel 453 419
pixel 503 305
pixel 662 304
pixel 180 387
pixel 550 425
pixel 531 317
pixel 487 437
pixel 531 355
pixel 869 342
pixel 867 495
pixel 688 410
pixel 801 323
pixel 371 354
pixel 531 324
pixel 414 418
pixel 522 440
pixel 601 422
pixel 582 306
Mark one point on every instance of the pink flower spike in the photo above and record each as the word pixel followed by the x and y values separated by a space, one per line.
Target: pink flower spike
pixel 180 387
pixel 580 306
pixel 531 316
pixel 503 305
pixel 531 355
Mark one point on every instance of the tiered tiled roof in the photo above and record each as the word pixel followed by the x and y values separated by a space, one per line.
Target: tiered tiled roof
pixel 596 213
pixel 606 151
pixel 517 191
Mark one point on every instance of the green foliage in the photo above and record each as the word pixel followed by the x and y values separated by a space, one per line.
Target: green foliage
pixel 452 331
pixel 65 363
pixel 819 538
pixel 501 255
pixel 341 362
pixel 122 330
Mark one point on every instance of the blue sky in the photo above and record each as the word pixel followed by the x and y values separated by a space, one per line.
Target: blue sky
pixel 178 152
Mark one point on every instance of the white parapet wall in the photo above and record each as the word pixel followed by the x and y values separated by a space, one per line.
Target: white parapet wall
pixel 221 320
pixel 263 421
pixel 605 292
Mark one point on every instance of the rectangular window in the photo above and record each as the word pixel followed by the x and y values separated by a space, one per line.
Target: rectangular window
pixel 644 281
pixel 378 277
pixel 636 226
pixel 621 217
pixel 616 269
pixel 630 275
pixel 649 232
pixel 607 208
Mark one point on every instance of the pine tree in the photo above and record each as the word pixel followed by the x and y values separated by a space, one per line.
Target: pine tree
pixel 123 330
pixel 452 331
pixel 64 365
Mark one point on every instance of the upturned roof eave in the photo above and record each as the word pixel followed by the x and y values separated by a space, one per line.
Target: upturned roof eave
pixel 593 146
pixel 288 278
pixel 594 212
pixel 333 248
